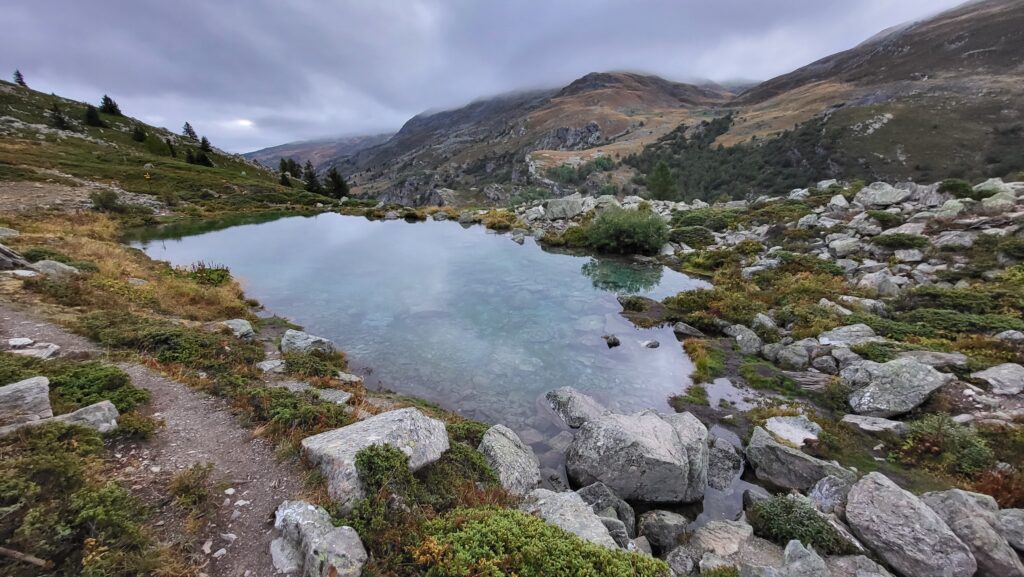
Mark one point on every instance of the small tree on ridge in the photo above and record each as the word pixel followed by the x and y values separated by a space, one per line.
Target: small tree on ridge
pixel 108 106
pixel 19 79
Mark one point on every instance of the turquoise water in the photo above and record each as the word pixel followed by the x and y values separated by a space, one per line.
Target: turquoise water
pixel 459 316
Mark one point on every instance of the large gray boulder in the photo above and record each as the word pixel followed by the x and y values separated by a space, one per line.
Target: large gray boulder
pixel 564 208
pixel 663 529
pixel 880 195
pixel 54 269
pixel 974 518
pixel 855 566
pixel 310 542
pixel 1004 379
pixel 747 340
pixel 605 503
pixel 574 407
pixel 570 512
pixel 295 341
pixel 241 328
pixel 849 335
pixel 723 538
pixel 904 532
pixel 101 416
pixel 786 467
pixel 420 437
pixel 27 400
pixel 10 260
pixel 645 456
pixel 892 388
pixel 512 460
pixel 799 561
pixel 724 463
pixel 1012 523
pixel 875 424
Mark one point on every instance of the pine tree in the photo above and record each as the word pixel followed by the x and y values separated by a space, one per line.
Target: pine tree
pixel 204 145
pixel 282 166
pixel 19 79
pixel 284 179
pixel 203 160
pixel 312 180
pixel 336 185
pixel 92 117
pixel 57 117
pixel 138 134
pixel 189 157
pixel 660 183
pixel 170 148
pixel 108 106
pixel 294 169
pixel 189 132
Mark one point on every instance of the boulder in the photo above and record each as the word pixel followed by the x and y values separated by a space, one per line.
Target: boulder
pixel 564 208
pixel 892 388
pixel 799 561
pixel 849 335
pixel 904 532
pixel 685 330
pixel 512 461
pixel 723 538
pixel 936 359
pixel 41 351
pixel 794 357
pixel 785 466
pixel 6 232
pixel 241 328
pixel 310 540
pixel 855 566
pixel 10 260
pixel 295 341
pixel 602 499
pixel 1011 336
pixel 617 530
pixel 27 400
pixel 955 239
pixel 101 416
pixel 662 529
pixel 974 518
pixel 747 340
pixel 54 269
pixel 568 511
pixel 420 437
pixel 880 195
pixel 1004 379
pixel 829 495
pixel 574 407
pixel 680 562
pixel 1012 523
pixel 645 456
pixel 724 463
pixel 875 425
pixel 796 430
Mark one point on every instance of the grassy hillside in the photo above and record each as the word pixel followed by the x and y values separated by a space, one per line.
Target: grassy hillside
pixel 31 149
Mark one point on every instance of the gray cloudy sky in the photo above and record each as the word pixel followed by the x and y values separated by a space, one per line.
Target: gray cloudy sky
pixel 255 73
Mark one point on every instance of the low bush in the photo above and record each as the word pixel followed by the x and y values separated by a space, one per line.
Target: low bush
pixel 900 241
pixel 982 299
pixel 314 364
pixel 886 219
pixel 938 442
pixel 282 414
pixel 692 236
pixel 205 274
pixel 716 219
pixel 75 385
pixel 622 231
pixel 951 322
pixel 191 488
pixel 782 518
pixel 961 189
pixel 493 542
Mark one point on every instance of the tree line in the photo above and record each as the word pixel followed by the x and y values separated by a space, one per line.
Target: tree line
pixel 332 183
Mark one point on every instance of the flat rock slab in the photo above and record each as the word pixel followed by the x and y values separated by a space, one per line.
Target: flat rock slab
pixel 570 512
pixel 796 429
pixel 892 388
pixel 27 400
pixel 788 467
pixel 1004 379
pixel 420 437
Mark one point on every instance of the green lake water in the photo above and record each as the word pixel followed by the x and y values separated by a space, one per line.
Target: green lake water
pixel 459 316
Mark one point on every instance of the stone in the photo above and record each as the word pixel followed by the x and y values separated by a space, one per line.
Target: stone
pixel 20 342
pixel 838 202
pixel 561 441
pixel 6 232
pixel 1011 336
pixel 420 437
pixel 785 466
pixel 843 247
pixel 834 307
pixel 855 566
pixel 794 357
pixel 849 335
pixel 650 344
pixel 54 269
pixel 612 341
pixel 335 396
pixel 999 202
pixel 974 518
pixel 936 359
pixel 645 456
pixel 513 461
pixel 1012 523
pixel 10 260
pixel 601 498
pixel 391 215
pixel 323 549
pixel 568 511
pixel 349 378
pixel 662 529
pixel 27 400
pixel 747 340
pixel 295 341
pixel 241 328
pixel 829 495
pixel 799 561
pixel 904 532
pixel 892 388
pixel 271 366
pixel 642 545
pixel 564 208
pixel 685 330
pixel 101 416
pixel 680 562
pixel 723 538
pixel 955 239
pixel 617 530
pixel 796 429
pixel 724 463
pixel 826 364
pixel 845 357
pixel 1004 379
pixel 42 351
pixel 908 255
pixel 880 195
pixel 875 425
pixel 872 306
pixel 286 558
pixel 574 407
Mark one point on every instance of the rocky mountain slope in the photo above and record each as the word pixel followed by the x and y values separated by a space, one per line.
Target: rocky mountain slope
pixel 322 153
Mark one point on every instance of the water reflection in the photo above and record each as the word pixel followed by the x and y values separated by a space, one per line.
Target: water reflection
pixel 622 277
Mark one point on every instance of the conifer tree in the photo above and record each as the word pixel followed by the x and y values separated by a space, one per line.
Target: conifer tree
pixel 204 145
pixel 58 118
pixel 189 132
pixel 92 117
pixel 138 134
pixel 19 79
pixel 660 184
pixel 312 180
pixel 202 159
pixel 282 166
pixel 189 157
pixel 108 106
pixel 336 185
pixel 284 179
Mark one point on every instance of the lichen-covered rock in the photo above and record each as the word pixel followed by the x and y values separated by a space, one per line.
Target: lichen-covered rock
pixel 662 529
pixel 563 208
pixel 101 416
pixel 723 538
pixel 602 499
pixel 295 341
pixel 1011 522
pixel 54 269
pixel 892 388
pixel 1004 379
pixel 904 532
pixel 323 549
pixel 645 456
pixel 797 429
pixel 27 400
pixel 829 495
pixel 420 437
pixel 855 566
pixel 241 328
pixel 724 463
pixel 786 467
pixel 849 335
pixel 875 424
pixel 880 195
pixel 747 340
pixel 574 407
pixel 512 460
pixel 570 512
pixel 974 518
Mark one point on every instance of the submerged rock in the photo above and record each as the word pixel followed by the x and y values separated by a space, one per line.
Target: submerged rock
pixel 724 463
pixel 513 462
pixel 645 456
pixel 574 407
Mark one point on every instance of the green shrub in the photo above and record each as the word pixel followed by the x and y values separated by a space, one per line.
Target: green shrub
pixel 1012 247
pixel 493 542
pixel 900 241
pixel 205 274
pixel 791 262
pixel 191 487
pixel 983 299
pixel 716 219
pixel 284 414
pixel 692 236
pixel 90 383
pixel 886 219
pixel 135 426
pixel 762 375
pixel 961 189
pixel 892 329
pixel 938 442
pixel 951 322
pixel 721 571
pixel 106 200
pixel 881 352
pixel 468 431
pixel 782 518
pixel 624 231
pixel 314 364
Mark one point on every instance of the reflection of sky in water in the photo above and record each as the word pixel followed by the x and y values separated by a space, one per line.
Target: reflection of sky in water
pixel 462 317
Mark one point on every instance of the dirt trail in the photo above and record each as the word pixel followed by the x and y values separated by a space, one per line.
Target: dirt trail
pixel 199 429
